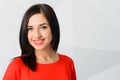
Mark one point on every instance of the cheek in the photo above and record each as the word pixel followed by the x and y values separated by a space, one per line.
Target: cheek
pixel 29 36
pixel 48 35
pixel 50 38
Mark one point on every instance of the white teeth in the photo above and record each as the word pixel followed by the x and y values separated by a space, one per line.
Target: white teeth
pixel 38 42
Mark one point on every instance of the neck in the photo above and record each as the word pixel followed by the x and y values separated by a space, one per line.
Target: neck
pixel 46 56
pixel 44 53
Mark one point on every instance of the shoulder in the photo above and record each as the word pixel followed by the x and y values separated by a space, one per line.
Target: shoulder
pixel 16 62
pixel 13 70
pixel 66 59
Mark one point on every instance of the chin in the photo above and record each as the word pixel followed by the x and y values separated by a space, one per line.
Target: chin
pixel 39 48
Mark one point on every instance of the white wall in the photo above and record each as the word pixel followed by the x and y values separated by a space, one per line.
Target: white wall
pixel 89 34
pixel 98 23
pixel 97 39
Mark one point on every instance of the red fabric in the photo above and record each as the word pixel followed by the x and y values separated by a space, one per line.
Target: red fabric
pixel 60 70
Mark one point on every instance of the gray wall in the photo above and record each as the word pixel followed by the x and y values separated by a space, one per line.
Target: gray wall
pixel 89 34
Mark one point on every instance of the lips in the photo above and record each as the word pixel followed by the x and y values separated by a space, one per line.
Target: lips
pixel 38 42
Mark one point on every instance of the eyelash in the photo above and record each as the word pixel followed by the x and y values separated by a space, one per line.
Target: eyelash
pixel 29 28
pixel 44 27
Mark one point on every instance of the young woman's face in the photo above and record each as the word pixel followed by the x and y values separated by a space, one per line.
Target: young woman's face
pixel 39 32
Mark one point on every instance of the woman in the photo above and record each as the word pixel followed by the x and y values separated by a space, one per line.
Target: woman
pixel 39 39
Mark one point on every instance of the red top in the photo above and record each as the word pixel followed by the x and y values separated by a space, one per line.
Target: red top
pixel 63 69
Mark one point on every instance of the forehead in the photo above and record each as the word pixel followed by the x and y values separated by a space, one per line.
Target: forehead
pixel 38 18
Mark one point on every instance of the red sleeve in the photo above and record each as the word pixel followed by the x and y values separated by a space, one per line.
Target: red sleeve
pixel 69 61
pixel 12 72
pixel 73 73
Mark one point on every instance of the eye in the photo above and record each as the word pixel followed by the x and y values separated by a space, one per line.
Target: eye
pixel 44 27
pixel 29 28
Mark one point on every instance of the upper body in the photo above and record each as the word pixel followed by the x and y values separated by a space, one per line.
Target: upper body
pixel 39 39
pixel 63 69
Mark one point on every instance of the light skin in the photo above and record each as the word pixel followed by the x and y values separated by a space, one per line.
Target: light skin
pixel 40 37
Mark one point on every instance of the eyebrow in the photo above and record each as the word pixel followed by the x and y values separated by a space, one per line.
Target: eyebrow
pixel 40 24
pixel 43 24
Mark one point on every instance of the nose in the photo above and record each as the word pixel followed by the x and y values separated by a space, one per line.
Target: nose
pixel 37 34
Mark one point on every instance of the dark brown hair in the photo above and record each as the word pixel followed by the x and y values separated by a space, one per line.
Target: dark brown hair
pixel 27 51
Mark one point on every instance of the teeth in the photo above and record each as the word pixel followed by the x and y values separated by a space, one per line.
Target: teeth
pixel 38 42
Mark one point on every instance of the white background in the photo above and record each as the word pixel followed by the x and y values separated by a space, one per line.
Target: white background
pixel 90 34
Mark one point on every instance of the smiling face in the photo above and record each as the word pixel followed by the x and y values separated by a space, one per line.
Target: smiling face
pixel 39 32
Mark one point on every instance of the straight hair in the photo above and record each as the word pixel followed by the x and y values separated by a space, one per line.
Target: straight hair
pixel 27 51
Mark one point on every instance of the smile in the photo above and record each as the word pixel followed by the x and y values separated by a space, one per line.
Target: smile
pixel 38 42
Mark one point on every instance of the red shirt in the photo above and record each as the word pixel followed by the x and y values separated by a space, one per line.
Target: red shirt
pixel 63 69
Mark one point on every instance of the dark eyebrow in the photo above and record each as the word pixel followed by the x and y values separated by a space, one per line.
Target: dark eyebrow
pixel 43 24
pixel 39 25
